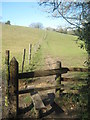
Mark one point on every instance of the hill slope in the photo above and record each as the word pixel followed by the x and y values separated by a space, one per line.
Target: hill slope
pixel 63 46
pixel 16 38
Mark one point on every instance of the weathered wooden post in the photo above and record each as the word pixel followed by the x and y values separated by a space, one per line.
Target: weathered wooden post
pixel 58 77
pixel 7 56
pixel 24 51
pixel 30 48
pixel 7 77
pixel 13 88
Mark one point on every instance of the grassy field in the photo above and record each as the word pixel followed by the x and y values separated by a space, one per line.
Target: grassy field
pixel 16 38
pixel 55 45
pixel 63 46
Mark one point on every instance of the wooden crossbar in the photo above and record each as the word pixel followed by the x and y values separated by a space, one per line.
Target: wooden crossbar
pixel 31 89
pixel 78 69
pixel 42 73
pixel 73 79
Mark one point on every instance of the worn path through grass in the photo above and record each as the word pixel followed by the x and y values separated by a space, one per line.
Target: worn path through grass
pixel 54 109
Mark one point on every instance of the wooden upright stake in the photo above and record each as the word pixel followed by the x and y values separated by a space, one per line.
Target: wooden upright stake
pixel 13 88
pixel 30 49
pixel 58 76
pixel 7 56
pixel 23 59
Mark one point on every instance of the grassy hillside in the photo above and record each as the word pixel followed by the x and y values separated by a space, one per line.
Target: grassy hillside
pixel 63 46
pixel 55 45
pixel 16 38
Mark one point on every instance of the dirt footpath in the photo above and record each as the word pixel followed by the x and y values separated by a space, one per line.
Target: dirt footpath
pixel 54 110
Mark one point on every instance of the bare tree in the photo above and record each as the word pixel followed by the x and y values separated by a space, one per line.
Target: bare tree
pixel 75 13
pixel 36 25
pixel 78 15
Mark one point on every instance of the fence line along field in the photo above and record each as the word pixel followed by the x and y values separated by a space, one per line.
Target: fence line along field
pixel 17 38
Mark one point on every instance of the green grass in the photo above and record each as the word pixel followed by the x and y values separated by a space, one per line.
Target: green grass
pixel 63 46
pixel 16 38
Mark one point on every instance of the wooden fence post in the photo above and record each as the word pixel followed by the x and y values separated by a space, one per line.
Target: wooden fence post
pixel 7 56
pixel 30 48
pixel 23 59
pixel 58 77
pixel 13 88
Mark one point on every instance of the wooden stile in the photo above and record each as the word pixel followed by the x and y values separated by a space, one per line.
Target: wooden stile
pixel 12 77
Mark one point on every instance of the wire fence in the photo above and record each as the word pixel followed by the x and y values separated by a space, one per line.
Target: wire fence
pixel 37 46
pixel 33 50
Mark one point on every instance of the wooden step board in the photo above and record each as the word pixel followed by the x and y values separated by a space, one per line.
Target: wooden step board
pixel 38 104
pixel 37 101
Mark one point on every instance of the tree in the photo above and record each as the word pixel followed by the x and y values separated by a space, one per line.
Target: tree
pixel 8 22
pixel 77 14
pixel 37 25
pixel 65 30
pixel 72 32
pixel 50 29
pixel 60 29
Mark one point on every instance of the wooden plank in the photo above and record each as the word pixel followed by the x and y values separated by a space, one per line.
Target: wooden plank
pixel 31 89
pixel 37 101
pixel 42 73
pixel 73 79
pixel 71 91
pixel 79 69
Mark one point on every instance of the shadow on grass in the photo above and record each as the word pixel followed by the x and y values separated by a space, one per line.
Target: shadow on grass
pixel 54 107
pixel 26 109
pixel 47 101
